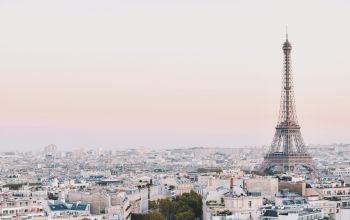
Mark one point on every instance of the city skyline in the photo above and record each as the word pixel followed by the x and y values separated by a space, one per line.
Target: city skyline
pixel 168 74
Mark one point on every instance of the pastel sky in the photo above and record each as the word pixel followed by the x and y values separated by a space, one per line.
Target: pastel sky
pixel 159 73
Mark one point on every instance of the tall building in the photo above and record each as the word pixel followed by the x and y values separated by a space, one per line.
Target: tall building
pixel 287 151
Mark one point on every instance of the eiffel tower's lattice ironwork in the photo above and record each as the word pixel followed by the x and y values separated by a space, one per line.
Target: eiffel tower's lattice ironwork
pixel 287 150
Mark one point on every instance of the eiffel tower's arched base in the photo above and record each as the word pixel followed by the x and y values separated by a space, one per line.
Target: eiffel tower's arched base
pixel 293 162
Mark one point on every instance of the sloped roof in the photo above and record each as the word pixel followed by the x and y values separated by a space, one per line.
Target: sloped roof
pixel 80 206
pixel 270 213
pixel 64 207
pixel 58 207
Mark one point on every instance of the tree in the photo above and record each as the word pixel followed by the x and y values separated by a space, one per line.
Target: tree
pixel 153 205
pixel 187 215
pixel 189 201
pixel 154 215
pixel 166 207
pixel 188 206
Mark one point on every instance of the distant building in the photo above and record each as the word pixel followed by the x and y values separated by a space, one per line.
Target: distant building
pixel 233 203
pixel 292 214
pixel 267 185
pixel 25 207
pixel 61 209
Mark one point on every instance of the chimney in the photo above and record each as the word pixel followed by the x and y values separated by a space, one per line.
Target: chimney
pixel 244 185
pixel 231 184
pixel 210 181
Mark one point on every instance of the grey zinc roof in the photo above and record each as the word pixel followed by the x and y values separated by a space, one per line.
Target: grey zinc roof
pixel 270 213
pixel 63 207
pixel 58 207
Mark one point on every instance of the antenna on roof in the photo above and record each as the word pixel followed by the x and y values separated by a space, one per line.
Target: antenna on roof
pixel 287 32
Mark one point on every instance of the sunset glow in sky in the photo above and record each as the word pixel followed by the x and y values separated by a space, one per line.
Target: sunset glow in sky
pixel 169 73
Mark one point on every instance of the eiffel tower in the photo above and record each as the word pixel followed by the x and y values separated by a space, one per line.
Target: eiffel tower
pixel 287 151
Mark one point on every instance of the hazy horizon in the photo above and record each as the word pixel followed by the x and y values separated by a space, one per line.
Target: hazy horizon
pixel 169 74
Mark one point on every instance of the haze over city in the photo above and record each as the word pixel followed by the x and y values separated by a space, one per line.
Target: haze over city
pixel 169 74
pixel 174 110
